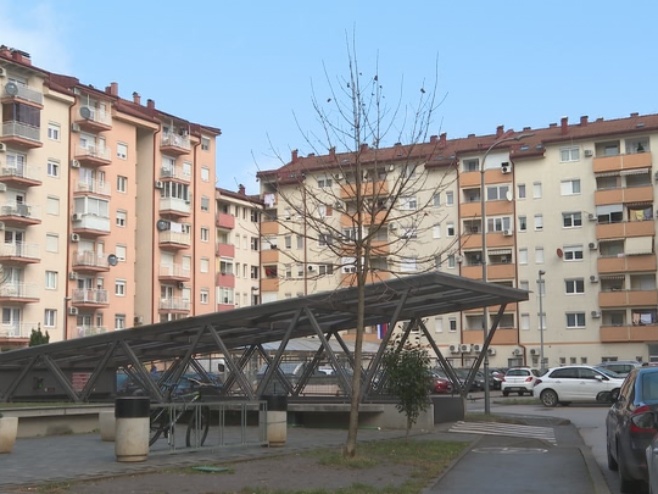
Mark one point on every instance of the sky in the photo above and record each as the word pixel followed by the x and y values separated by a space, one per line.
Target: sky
pixel 249 67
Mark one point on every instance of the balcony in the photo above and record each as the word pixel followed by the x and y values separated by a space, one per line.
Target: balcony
pixel 93 119
pixel 225 280
pixel 17 329
pixel 269 228
pixel 89 261
pixel 21 135
pixel 269 256
pixel 174 206
pixel 626 264
pixel 95 187
pixel 625 334
pixel 19 293
pixel 20 177
pixel 174 240
pixel 626 298
pixel 174 304
pixel 226 250
pixel 349 279
pixel 19 254
pixel 368 189
pixel 225 221
pixel 174 172
pixel 82 331
pixel 21 93
pixel 174 144
pixel 20 215
pixel 621 162
pixel 625 229
pixel 470 179
pixel 89 298
pixel 175 272
pixel 90 224
pixel 624 195
pixel 269 284
pixel 92 155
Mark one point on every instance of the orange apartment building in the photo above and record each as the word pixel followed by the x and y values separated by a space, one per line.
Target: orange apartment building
pixel 107 208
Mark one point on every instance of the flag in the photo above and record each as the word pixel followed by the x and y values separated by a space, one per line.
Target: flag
pixel 382 329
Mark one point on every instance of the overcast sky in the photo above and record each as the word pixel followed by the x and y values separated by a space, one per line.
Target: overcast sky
pixel 247 67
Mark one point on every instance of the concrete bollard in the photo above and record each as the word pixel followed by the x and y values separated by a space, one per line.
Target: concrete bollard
pixel 132 428
pixel 277 419
pixel 107 425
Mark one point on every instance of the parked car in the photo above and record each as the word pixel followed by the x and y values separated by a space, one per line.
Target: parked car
pixel 562 385
pixel 440 382
pixel 519 380
pixel 630 427
pixel 496 377
pixel 621 367
pixel 478 382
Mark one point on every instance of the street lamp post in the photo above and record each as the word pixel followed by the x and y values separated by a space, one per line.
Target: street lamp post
pixel 540 283
pixel 487 397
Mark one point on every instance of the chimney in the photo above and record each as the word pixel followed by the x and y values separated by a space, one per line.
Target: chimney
pixel 332 152
pixel 564 125
pixel 114 88
pixel 136 98
pixel 295 153
pixel 583 121
pixel 443 140
pixel 364 147
pixel 150 104
pixel 241 190
pixel 5 51
pixel 21 56
pixel 500 130
pixel 634 114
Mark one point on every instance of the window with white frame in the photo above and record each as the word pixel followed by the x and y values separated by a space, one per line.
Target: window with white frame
pixel 120 288
pixel 452 323
pixel 497 192
pixel 575 320
pixel 205 174
pixel 122 151
pixel 569 154
pixel 324 210
pixel 523 223
pixel 436 199
pixel 524 321
pixel 498 224
pixel 122 218
pixel 52 205
pixel 438 324
pixel 436 231
pixel 572 219
pixel 573 253
pixel 539 222
pixel 52 242
pixel 450 198
pixel 287 242
pixel 471 165
pixel 523 256
pixel 539 255
pixel 122 184
pixel 300 242
pixel 205 203
pixel 570 187
pixel 348 265
pixel 205 144
pixel 204 234
pixel 53 168
pixel 204 265
pixel 187 169
pixel 51 280
pixel 324 183
pixel 204 296
pixel 226 295
pixel 49 318
pixel 121 252
pixel 520 191
pixel 536 190
pixel 408 203
pixel 450 229
pixel 575 285
pixel 408 264
pixel 452 261
pixel 54 131
pixel 524 285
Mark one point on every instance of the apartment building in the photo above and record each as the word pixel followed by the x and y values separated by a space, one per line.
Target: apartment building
pixel 238 248
pixel 568 215
pixel 106 205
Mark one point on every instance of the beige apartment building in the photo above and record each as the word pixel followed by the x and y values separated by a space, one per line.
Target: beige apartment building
pixel 569 208
pixel 107 208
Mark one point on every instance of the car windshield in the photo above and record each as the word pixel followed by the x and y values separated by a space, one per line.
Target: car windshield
pixel 609 373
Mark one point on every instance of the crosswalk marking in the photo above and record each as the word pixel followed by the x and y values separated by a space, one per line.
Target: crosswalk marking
pixel 502 429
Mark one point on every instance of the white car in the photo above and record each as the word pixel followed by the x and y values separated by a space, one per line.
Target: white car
pixel 562 385
pixel 519 380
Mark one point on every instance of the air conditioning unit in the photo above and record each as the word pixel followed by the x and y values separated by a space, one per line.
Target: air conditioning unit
pixel 589 153
pixel 159 184
pixel 459 258
pixel 73 311
pixel 75 237
pixel 465 348
pixel 393 226
pixel 517 352
pixel 75 164
pixel 3 72
pixel 3 147
pixel 593 279
pixel 181 285
pixel 338 177
pixel 75 217
pixel 592 246
pixel 3 188
pixel 491 351
pixel 311 267
pixel 596 314
pixel 339 205
pixel 73 275
pixel 507 233
pixel 75 127
pixel 454 348
pixel 505 167
pixel 477 348
pixel 138 320
pixel 591 217
pixel 534 351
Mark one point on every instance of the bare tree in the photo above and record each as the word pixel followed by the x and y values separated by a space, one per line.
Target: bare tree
pixel 368 210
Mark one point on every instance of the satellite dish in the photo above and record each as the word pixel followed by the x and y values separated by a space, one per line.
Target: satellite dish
pixel 559 252
pixel 11 89
pixel 85 112
pixel 508 196
pixel 112 260
pixel 162 225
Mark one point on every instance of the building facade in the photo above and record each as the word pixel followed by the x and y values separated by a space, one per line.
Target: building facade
pixel 569 214
pixel 107 208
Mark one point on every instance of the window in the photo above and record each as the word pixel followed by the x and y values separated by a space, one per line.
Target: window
pixel 525 321
pixel 452 322
pixel 52 205
pixel 49 318
pixel 348 265
pixel 205 174
pixel 523 223
pixel 254 243
pixel 408 265
pixel 53 168
pixel 205 144
pixel 300 242
pixel 122 184
pixel 226 295
pixel 576 285
pixel 524 285
pixel 472 165
pixel 300 270
pixel 408 203
pixel 324 183
pixel 287 241
pixel 120 252
pixel 523 256
pixel 120 288
pixel 573 253
pixel 497 193
pixel 452 261
pixel 536 190
pixel 204 234
pixel 204 296
pixel 450 198
pixel 539 255
pixel 570 187
pixel 122 217
pixel 51 280
pixel 575 320
pixel 325 269
pixel 450 229
pixel 436 231
pixel 498 224
pixel 520 191
pixel 572 220
pixel 569 154
pixel 122 151
pixel 324 210
pixel 187 169
pixel 324 239
pixel 254 216
pixel 436 199
pixel 438 324
pixel 53 131
pixel 52 242
pixel 205 203
pixel 539 222
pixel 120 321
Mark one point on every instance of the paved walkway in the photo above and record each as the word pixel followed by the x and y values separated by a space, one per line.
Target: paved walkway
pixel 549 457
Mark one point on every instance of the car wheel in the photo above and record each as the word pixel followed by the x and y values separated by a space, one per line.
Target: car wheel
pixel 549 398
pixel 612 463
pixel 505 392
pixel 521 393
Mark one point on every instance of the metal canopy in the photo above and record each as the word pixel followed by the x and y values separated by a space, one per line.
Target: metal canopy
pixel 322 315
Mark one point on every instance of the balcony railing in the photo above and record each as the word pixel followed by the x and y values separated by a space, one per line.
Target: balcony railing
pixel 175 303
pixel 17 329
pixel 176 205
pixel 23 92
pixel 89 296
pixel 94 187
pixel 174 172
pixel 89 258
pixel 94 152
pixel 178 238
pixel 91 223
pixel 22 131
pixel 27 212
pixel 17 290
pixel 90 330
pixel 18 250
pixel 175 272
pixel 20 173
pixel 175 143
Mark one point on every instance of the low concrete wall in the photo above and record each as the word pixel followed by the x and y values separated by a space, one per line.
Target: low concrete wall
pixel 53 421
pixel 448 408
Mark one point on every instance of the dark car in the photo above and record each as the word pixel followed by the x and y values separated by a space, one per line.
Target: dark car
pixel 630 427
pixel 440 383
pixel 477 384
